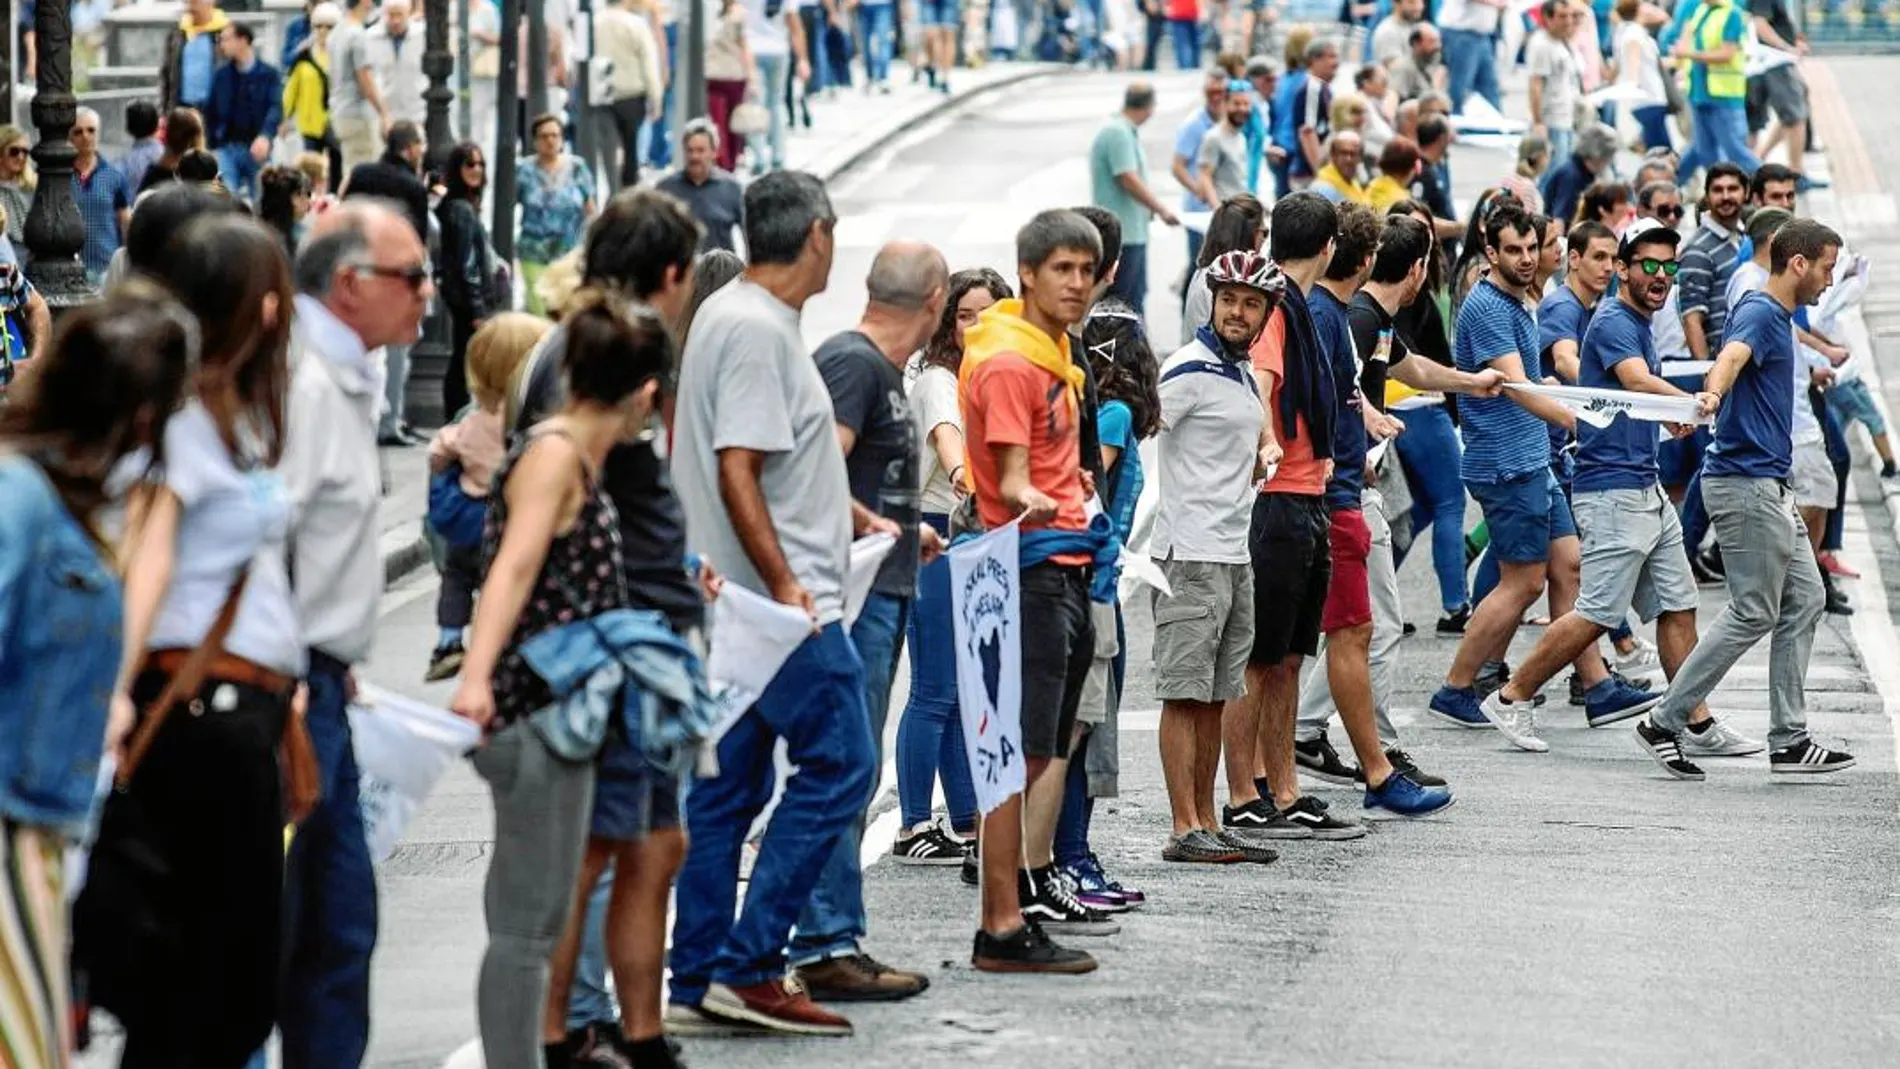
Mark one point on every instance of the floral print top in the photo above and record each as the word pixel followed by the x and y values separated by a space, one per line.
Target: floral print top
pixel 553 207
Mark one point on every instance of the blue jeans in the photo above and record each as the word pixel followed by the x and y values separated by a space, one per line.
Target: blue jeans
pixel 1654 122
pixel 1473 62
pixel 1562 143
pixel 774 70
pixel 330 900
pixel 876 25
pixel 239 170
pixel 589 1001
pixel 1186 35
pixel 1431 457
pixel 1131 279
pixel 1721 135
pixel 659 147
pixel 834 919
pixel 930 732
pixel 816 704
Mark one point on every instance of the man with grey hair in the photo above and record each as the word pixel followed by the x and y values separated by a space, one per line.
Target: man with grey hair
pixel 768 503
pixel 864 370
pixel 1565 182
pixel 104 196
pixel 363 281
pixel 714 196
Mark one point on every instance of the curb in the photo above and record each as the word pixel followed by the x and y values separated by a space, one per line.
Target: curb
pixel 404 553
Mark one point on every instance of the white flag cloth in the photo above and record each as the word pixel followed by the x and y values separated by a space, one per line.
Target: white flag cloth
pixel 867 556
pixel 1677 368
pixel 1600 407
pixel 402 748
pixel 986 609
pixel 752 636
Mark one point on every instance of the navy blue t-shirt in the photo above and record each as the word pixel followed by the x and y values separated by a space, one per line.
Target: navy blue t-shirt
pixel 1621 456
pixel 1561 317
pixel 1332 326
pixel 1754 432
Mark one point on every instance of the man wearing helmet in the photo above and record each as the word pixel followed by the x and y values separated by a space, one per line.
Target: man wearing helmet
pixel 1204 624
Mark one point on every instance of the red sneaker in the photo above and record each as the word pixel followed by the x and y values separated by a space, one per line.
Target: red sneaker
pixel 1834 567
pixel 777 1005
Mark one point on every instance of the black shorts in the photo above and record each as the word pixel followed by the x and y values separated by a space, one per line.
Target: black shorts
pixel 1058 644
pixel 1292 565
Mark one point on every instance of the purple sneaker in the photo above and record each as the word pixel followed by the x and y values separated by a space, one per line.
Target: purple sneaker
pixel 1092 882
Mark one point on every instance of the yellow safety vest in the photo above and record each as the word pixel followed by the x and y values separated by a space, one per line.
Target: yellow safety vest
pixel 1727 80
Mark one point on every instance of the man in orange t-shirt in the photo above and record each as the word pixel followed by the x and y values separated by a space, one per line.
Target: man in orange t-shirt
pixel 1021 396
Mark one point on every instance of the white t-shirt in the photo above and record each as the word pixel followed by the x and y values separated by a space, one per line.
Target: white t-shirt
pixel 229 518
pixel 1469 15
pixel 1644 73
pixel 1552 59
pixel 933 403
pixel 767 36
pixel 1210 424
pixel 747 382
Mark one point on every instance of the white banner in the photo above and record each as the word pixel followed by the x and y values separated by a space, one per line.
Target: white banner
pixel 751 638
pixel 986 607
pixel 402 747
pixel 1600 407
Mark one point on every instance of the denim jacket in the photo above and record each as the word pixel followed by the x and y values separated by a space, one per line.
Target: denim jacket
pixel 627 661
pixel 60 635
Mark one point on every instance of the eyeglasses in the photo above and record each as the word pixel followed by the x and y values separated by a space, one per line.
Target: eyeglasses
pixel 414 275
pixel 1668 211
pixel 1651 266
pixel 17 152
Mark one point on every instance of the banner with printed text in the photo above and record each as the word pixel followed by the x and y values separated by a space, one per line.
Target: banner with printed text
pixel 986 603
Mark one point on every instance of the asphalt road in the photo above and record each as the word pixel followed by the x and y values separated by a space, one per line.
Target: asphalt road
pixel 1574 909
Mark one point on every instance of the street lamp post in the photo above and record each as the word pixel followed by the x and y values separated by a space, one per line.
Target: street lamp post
pixel 55 233
pixel 501 230
pixel 437 64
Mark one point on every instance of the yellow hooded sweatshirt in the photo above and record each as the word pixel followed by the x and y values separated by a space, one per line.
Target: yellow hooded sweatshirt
pixel 1000 329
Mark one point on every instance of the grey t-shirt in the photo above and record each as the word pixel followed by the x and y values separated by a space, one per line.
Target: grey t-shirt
pixel 346 55
pixel 1226 149
pixel 746 382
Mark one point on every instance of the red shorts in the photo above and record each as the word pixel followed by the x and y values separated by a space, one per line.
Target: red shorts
pixel 1349 594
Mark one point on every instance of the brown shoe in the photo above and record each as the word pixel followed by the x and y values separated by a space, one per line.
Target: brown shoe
pixel 860 978
pixel 776 1005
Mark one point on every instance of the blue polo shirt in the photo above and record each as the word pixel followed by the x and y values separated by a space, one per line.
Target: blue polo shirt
pixel 1621 456
pixel 1562 317
pixel 1346 489
pixel 1754 432
pixel 101 196
pixel 1503 440
pixel 1187 144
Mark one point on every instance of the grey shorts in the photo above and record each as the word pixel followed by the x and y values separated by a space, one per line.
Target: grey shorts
pixel 1203 631
pixel 1632 556
pixel 1098 692
pixel 1812 477
pixel 1787 94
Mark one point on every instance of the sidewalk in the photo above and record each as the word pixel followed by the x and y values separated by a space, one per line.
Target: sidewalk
pixel 845 131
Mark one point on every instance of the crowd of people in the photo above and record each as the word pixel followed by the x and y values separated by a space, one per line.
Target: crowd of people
pixel 189 580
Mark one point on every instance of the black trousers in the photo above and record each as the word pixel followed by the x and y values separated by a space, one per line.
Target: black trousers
pixel 461 578
pixel 210 792
pixel 624 119
pixel 455 378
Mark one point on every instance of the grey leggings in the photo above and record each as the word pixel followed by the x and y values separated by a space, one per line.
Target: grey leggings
pixel 542 805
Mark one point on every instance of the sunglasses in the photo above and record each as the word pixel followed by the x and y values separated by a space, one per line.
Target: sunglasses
pixel 1668 211
pixel 414 275
pixel 1650 266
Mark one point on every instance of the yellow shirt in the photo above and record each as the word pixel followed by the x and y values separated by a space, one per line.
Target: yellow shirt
pixel 1349 190
pixel 1384 192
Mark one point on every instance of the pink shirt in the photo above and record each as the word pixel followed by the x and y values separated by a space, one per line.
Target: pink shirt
pixel 476 443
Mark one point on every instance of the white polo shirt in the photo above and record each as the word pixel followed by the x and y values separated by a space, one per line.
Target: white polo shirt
pixel 1210 435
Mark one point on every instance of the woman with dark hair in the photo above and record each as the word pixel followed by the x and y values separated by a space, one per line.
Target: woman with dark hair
pixel 930 733
pixel 1127 383
pixel 467 267
pixel 198 167
pixel 553 554
pixel 106 389
pixel 184 133
pixel 1607 203
pixel 1239 223
pixel 206 567
pixel 282 202
pixel 555 189
pixel 1429 452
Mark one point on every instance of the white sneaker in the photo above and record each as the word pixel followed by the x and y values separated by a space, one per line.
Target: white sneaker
pixel 1641 660
pixel 1719 740
pixel 1516 721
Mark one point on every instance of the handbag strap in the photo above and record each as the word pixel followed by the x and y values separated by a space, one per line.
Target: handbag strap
pixel 183 683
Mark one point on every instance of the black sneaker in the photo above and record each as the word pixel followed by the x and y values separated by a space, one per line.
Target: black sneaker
pixel 972 876
pixel 1837 603
pixel 444 662
pixel 1454 623
pixel 1319 760
pixel 659 1052
pixel 1808 758
pixel 1402 762
pixel 1047 901
pixel 1491 675
pixel 1707 567
pixel 929 844
pixel 1409 629
pixel 1027 949
pixel 1259 819
pixel 1666 748
pixel 1319 824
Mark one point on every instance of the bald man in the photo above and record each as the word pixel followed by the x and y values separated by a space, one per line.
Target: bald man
pixel 864 370
pixel 363 281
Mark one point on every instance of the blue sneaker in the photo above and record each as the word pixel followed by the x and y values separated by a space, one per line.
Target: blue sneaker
pixel 1402 796
pixel 1458 706
pixel 1614 699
